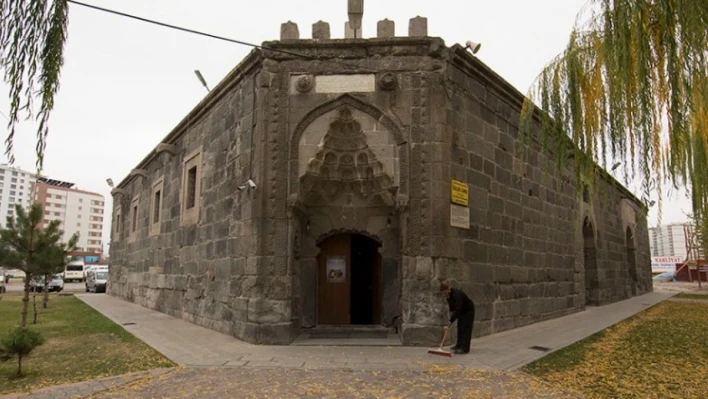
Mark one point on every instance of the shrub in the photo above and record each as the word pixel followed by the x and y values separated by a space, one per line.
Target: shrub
pixel 20 342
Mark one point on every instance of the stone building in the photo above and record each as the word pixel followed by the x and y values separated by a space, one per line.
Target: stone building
pixel 338 181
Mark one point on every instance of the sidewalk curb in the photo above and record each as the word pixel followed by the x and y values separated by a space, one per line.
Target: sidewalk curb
pixel 87 388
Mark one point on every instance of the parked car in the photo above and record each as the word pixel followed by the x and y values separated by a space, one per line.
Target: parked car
pixel 97 281
pixel 667 276
pixel 56 284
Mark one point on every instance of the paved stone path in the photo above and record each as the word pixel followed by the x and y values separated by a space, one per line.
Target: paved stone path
pixel 219 365
pixel 245 382
pixel 191 345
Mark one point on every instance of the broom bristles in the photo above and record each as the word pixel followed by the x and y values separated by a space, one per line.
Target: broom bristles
pixel 439 352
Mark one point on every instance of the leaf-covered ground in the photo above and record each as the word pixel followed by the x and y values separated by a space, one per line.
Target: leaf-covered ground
pixel 688 295
pixel 660 353
pixel 246 383
pixel 81 344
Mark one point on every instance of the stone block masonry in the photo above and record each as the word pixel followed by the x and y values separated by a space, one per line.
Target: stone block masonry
pixel 365 146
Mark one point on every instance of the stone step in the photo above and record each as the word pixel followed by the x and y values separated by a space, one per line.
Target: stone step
pixel 348 336
pixel 350 331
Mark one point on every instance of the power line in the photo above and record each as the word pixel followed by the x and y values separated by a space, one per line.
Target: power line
pixel 5 116
pixel 226 39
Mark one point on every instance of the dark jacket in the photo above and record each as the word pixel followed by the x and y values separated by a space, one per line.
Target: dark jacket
pixel 459 304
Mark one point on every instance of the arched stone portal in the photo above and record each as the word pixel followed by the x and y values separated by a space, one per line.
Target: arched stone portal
pixel 631 261
pixel 348 185
pixel 349 281
pixel 590 262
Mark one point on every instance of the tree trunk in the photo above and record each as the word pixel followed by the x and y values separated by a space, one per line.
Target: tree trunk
pixel 25 301
pixel 34 306
pixel 45 301
pixel 19 365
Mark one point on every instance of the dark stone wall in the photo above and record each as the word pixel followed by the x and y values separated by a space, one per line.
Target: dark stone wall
pixel 247 265
pixel 522 259
pixel 206 272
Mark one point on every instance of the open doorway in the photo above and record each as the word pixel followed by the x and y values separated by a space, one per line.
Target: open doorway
pixel 349 281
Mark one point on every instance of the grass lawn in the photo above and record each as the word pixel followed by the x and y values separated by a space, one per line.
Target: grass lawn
pixel 688 295
pixel 660 353
pixel 81 344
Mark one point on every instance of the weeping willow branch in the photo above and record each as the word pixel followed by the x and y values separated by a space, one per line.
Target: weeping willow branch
pixel 631 84
pixel 32 38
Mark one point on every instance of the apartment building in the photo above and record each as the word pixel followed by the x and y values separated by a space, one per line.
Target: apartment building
pixel 15 188
pixel 669 240
pixel 79 211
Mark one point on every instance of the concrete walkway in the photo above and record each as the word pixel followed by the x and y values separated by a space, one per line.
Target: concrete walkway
pixel 188 344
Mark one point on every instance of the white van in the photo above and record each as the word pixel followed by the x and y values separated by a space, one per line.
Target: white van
pixel 74 271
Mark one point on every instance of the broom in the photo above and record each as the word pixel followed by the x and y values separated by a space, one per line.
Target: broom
pixel 440 351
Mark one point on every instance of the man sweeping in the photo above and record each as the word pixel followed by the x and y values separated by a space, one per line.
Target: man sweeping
pixel 462 310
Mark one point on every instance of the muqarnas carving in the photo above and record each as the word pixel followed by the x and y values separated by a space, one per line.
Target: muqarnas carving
pixel 344 164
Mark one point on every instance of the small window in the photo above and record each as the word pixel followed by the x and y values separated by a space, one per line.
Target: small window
pixel 117 223
pixel 156 207
pixel 78 224
pixel 80 208
pixel 135 218
pixel 191 187
pixel 81 200
pixel 190 191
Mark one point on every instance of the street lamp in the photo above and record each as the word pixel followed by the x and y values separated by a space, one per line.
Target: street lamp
pixel 201 79
pixel 110 182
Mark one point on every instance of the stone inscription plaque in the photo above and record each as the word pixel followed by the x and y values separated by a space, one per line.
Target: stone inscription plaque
pixel 460 216
pixel 345 83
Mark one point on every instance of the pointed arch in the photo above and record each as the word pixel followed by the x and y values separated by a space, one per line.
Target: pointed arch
pixel 346 99
pixel 631 259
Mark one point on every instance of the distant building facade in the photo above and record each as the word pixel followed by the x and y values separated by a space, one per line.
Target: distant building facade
pixel 16 187
pixel 78 211
pixel 341 187
pixel 669 240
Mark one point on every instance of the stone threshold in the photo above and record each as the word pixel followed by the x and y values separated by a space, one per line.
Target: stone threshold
pixel 349 335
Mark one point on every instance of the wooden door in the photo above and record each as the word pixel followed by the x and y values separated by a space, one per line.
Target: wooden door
pixel 334 281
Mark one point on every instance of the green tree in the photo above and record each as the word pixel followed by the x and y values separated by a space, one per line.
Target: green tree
pixel 20 342
pixel 28 246
pixel 632 84
pixel 53 260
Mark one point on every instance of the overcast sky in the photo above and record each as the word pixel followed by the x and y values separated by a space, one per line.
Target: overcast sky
pixel 126 84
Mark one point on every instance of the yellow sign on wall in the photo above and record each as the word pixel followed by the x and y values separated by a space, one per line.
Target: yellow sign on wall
pixel 459 193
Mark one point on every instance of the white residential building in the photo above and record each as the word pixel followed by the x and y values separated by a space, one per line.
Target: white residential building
pixel 79 211
pixel 16 187
pixel 669 240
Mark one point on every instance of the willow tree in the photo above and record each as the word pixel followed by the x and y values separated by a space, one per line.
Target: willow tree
pixel 32 38
pixel 631 86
